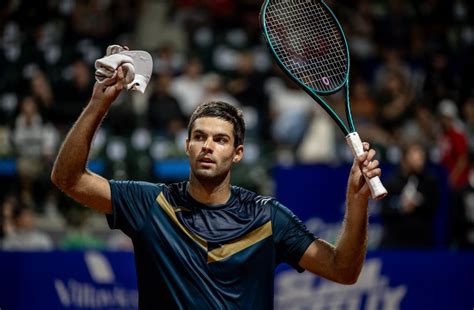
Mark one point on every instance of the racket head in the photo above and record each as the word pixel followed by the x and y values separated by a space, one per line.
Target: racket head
pixel 308 42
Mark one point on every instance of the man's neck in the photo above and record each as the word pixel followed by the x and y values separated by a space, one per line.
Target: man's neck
pixel 210 193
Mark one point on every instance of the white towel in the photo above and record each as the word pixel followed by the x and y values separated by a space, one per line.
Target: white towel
pixel 137 67
pixel 106 68
pixel 143 64
pixel 114 49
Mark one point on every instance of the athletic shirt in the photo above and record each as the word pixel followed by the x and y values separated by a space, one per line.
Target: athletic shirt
pixel 190 255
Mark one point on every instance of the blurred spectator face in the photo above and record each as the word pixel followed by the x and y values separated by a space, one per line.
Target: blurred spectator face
pixel 213 83
pixel 29 108
pixel 162 83
pixel 360 89
pixel 40 87
pixel 81 74
pixel 445 121
pixel 469 110
pixel 423 115
pixel 38 82
pixel 245 63
pixel 415 158
pixel 392 58
pixel 394 83
pixel 439 62
pixel 194 68
pixel 8 206
pixel 25 220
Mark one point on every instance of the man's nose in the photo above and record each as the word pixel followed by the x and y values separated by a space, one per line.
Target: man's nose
pixel 208 145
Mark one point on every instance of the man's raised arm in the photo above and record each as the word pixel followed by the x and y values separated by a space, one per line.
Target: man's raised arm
pixel 343 262
pixel 69 173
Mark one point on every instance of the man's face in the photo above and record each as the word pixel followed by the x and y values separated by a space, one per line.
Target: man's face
pixel 211 150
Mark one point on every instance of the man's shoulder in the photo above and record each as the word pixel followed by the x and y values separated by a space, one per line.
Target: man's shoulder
pixel 136 187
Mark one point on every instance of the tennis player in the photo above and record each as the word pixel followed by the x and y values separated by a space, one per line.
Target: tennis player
pixel 203 243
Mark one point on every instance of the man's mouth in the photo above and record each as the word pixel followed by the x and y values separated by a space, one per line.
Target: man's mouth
pixel 206 160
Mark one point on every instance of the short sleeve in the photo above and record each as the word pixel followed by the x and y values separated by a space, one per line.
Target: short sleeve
pixel 291 236
pixel 131 204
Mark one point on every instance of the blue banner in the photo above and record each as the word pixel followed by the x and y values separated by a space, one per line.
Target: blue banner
pixel 67 280
pixel 106 280
pixel 389 280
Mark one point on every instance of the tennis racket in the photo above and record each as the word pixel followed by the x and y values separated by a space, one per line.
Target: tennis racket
pixel 308 43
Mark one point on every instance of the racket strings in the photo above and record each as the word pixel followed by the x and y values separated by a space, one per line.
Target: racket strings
pixel 307 40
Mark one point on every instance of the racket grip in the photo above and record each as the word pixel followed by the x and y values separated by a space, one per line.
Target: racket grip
pixel 377 189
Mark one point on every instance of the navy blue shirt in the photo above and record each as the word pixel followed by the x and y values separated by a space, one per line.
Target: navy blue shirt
pixel 192 256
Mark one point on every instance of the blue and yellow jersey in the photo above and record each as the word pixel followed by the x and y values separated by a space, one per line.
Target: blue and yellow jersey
pixel 192 256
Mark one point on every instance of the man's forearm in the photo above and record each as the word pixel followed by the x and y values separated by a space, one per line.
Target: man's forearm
pixel 71 161
pixel 352 244
pixel 343 262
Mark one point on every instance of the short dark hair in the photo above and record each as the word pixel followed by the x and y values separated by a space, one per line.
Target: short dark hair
pixel 222 110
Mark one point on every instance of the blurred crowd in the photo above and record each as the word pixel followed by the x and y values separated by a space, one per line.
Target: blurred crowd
pixel 411 97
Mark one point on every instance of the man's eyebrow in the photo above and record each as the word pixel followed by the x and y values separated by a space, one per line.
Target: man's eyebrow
pixel 220 134
pixel 198 131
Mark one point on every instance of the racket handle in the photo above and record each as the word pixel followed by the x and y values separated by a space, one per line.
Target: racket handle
pixel 377 189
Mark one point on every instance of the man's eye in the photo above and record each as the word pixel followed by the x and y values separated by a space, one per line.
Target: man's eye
pixel 222 140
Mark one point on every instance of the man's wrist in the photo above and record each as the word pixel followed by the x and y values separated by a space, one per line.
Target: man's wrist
pixel 357 199
pixel 99 104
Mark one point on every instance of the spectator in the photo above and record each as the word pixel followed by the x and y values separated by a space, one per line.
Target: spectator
pixel 78 236
pixel 214 90
pixel 167 60
pixel 394 99
pixel 462 225
pixel 468 108
pixel 291 110
pixel 246 87
pixel 423 127
pixel 189 87
pixel 42 92
pixel 25 236
pixel 408 211
pixel 439 81
pixel 392 64
pixel 164 113
pixel 35 144
pixel 364 112
pixel 91 19
pixel 6 217
pixel 72 93
pixel 453 145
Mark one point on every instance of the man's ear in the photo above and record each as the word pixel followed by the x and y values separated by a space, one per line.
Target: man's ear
pixel 186 146
pixel 239 153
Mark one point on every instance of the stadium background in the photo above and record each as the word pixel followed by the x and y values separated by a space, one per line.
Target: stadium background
pixel 410 68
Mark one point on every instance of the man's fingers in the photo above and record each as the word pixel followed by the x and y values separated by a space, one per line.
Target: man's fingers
pixel 120 74
pixel 367 163
pixel 367 157
pixel 372 169
pixel 370 157
pixel 373 173
pixel 373 164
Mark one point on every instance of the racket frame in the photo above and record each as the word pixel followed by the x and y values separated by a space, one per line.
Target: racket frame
pixel 377 189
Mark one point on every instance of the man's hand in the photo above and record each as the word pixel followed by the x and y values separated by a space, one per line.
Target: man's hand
pixel 363 165
pixel 106 94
